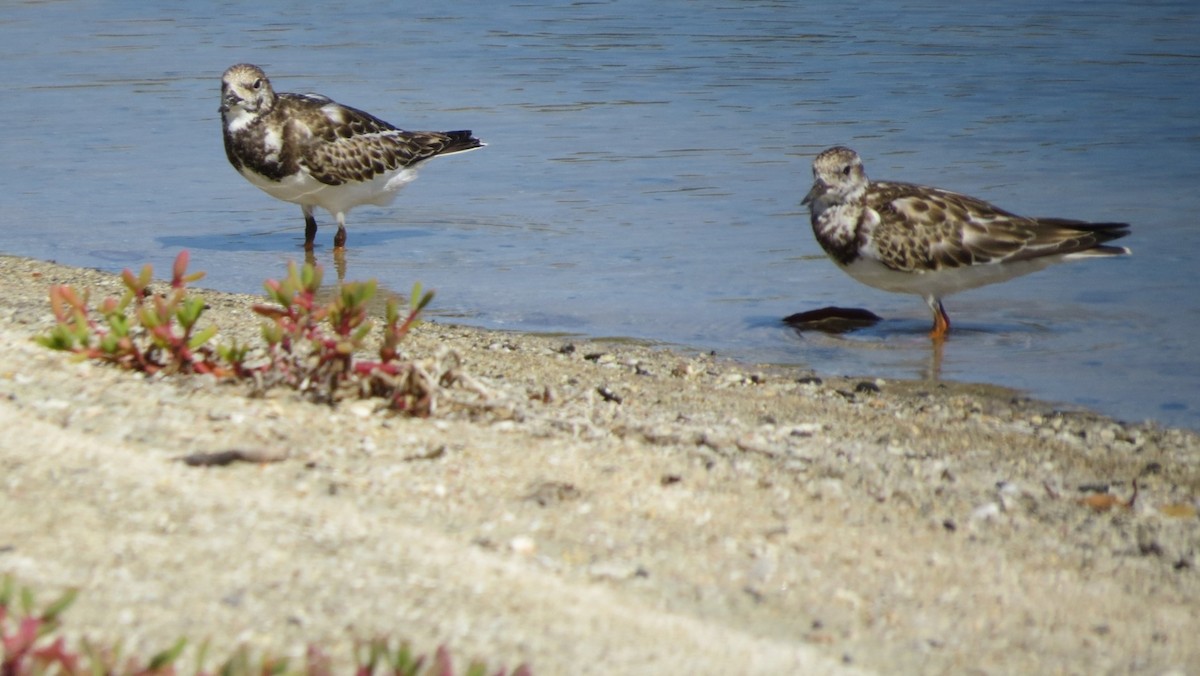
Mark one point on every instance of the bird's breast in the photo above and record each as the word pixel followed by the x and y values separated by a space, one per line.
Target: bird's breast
pixel 837 231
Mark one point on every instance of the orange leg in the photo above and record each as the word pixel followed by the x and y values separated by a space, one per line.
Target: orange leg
pixel 941 321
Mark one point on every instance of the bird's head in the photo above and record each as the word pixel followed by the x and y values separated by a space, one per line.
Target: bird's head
pixel 245 93
pixel 838 178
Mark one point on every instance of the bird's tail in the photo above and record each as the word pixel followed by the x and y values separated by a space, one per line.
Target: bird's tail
pixel 1087 239
pixel 1101 250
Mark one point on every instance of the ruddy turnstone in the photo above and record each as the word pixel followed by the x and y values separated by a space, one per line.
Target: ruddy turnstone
pixel 916 239
pixel 310 150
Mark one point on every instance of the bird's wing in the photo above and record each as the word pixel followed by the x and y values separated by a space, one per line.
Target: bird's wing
pixel 338 144
pixel 923 228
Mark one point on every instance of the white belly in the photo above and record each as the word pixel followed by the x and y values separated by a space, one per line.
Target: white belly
pixel 942 283
pixel 301 188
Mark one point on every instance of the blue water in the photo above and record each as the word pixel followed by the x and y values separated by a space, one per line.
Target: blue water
pixel 646 162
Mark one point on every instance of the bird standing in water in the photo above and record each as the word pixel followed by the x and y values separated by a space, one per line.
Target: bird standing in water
pixel 931 242
pixel 310 150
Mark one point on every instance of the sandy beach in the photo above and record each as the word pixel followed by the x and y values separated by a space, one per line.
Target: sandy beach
pixel 597 507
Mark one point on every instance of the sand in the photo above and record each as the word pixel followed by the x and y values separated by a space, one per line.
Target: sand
pixel 596 507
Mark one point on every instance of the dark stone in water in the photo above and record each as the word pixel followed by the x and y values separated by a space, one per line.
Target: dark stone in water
pixel 832 319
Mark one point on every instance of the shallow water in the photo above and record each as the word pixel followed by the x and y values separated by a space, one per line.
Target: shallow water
pixel 645 166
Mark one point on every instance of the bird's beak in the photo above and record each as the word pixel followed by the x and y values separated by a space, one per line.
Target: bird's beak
pixel 228 102
pixel 819 188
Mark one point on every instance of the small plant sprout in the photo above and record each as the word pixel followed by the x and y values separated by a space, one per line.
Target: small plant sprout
pixel 395 330
pixel 24 635
pixel 142 331
pixel 308 345
pixel 312 347
pixel 31 642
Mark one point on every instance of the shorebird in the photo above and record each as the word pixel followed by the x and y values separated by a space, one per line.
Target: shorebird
pixel 310 150
pixel 931 242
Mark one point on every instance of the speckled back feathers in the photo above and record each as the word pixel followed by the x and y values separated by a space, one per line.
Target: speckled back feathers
pixel 279 135
pixel 914 228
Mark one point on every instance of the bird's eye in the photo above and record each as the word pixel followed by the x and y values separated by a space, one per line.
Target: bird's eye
pixel 846 170
pixel 257 84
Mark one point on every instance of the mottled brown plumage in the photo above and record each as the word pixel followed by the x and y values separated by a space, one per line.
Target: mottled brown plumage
pixel 916 239
pixel 312 151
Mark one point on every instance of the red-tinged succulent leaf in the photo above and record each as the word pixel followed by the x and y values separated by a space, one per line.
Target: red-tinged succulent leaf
pixel 164 333
pixel 57 654
pixel 58 304
pixel 69 296
pixel 442 664
pixel 317 662
pixel 179 270
pixel 20 641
